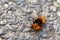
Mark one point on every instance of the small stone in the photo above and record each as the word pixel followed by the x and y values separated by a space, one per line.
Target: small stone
pixel 10 3
pixel 26 29
pixel 45 35
pixel 12 8
pixel 49 27
pixel 1 31
pixel 11 27
pixel 20 28
pixel 1 12
pixel 4 0
pixel 26 23
pixel 20 1
pixel 44 1
pixel 27 35
pixel 27 10
pixel 10 39
pixel 33 37
pixel 10 35
pixel 6 5
pixel 58 1
pixel 58 13
pixel 46 8
pixel 3 22
pixel 33 1
pixel 35 13
pixel 21 36
pixel 58 37
pixel 39 33
pixel 53 8
pixel 51 38
pixel 58 30
pixel 14 35
pixel 49 0
pixel 9 15
pixel 58 8
pixel 13 23
pixel 56 27
pixel 0 38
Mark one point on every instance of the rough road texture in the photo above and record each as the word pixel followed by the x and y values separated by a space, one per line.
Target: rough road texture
pixel 17 15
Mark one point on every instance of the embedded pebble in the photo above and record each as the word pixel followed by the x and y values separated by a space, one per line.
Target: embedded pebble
pixel 6 5
pixel 1 12
pixel 2 31
pixel 44 1
pixel 19 1
pixel 11 27
pixel 27 35
pixel 4 0
pixel 58 13
pixel 12 7
pixel 26 29
pixel 46 8
pixel 21 36
pixel 58 1
pixel 44 35
pixel 33 1
pixel 10 36
pixel 20 28
pixel 53 9
pixel 3 22
pixel 17 15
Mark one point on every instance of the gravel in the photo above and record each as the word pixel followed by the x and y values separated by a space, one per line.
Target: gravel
pixel 16 17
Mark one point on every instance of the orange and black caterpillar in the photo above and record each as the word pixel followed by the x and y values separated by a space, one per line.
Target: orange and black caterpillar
pixel 37 24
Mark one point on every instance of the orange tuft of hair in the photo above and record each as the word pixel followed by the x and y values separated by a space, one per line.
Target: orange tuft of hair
pixel 41 18
pixel 35 26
